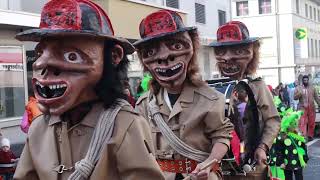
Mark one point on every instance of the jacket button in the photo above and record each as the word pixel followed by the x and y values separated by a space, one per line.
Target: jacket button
pixel 78 132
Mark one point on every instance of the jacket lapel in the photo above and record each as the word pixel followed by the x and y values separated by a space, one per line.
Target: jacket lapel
pixel 183 102
pixel 164 109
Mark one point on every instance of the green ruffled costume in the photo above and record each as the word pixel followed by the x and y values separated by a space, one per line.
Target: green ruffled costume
pixel 289 147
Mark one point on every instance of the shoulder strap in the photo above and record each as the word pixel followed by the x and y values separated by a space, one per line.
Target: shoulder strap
pixel 253 127
pixel 102 134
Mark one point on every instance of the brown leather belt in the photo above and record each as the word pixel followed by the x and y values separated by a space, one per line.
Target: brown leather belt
pixel 177 166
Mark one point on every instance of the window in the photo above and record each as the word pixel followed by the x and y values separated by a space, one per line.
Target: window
pixel 172 3
pixel 312 52
pixel 206 63
pixel 12 92
pixel 264 6
pixel 200 13
pixel 222 17
pixel 310 9
pixel 297 6
pixel 314 14
pixel 318 15
pixel 316 48
pixel 309 47
pixel 306 10
pixel 242 8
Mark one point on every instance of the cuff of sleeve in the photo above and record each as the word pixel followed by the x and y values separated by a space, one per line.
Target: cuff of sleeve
pixel 266 144
pixel 223 141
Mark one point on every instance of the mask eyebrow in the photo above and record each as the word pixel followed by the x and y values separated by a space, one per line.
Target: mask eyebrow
pixel 181 39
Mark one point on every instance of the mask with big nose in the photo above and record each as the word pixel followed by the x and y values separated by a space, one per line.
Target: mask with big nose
pixel 233 61
pixel 66 72
pixel 168 60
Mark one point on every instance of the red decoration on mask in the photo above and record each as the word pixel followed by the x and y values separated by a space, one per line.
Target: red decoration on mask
pixel 61 14
pixel 158 23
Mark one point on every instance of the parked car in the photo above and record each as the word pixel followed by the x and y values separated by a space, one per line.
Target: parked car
pixel 223 85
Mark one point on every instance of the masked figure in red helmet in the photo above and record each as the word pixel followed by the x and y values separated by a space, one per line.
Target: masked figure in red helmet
pixel 189 128
pixel 237 57
pixel 87 130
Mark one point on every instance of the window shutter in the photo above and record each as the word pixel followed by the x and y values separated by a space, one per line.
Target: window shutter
pixel 200 13
pixel 173 3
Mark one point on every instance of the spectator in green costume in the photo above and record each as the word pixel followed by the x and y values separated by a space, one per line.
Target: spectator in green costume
pixel 289 153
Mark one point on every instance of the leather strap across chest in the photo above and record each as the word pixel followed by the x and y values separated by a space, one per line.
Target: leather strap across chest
pixel 177 144
pixel 101 135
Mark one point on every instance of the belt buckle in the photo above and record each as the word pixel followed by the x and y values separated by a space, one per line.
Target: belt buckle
pixel 188 166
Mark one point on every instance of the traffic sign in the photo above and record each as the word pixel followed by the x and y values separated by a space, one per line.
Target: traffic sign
pixel 301 33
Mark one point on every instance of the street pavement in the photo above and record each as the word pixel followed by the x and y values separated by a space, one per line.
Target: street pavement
pixel 312 171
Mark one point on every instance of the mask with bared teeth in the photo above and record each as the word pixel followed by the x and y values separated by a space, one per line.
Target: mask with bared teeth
pixel 168 59
pixel 233 61
pixel 236 52
pixel 76 52
pixel 66 72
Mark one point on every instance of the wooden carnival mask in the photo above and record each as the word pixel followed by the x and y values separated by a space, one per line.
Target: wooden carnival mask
pixel 168 59
pixel 233 61
pixel 66 72
pixel 166 48
pixel 234 50
pixel 70 53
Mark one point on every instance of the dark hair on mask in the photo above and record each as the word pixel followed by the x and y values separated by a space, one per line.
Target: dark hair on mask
pixel 305 77
pixel 110 87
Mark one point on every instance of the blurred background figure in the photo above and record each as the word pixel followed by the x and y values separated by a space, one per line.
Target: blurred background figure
pixel 7 160
pixel 306 94
pixel 291 88
pixel 285 96
pixel 143 85
pixel 31 112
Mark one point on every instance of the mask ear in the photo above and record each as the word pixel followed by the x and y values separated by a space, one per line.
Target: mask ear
pixel 117 54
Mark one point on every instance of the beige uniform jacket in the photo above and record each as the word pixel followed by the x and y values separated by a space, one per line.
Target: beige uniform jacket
pixel 268 114
pixel 269 121
pixel 197 118
pixel 127 155
pixel 309 97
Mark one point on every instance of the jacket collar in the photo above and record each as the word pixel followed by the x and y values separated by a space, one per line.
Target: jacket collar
pixel 185 99
pixel 89 120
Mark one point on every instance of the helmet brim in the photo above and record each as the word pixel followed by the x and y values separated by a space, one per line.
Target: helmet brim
pixel 37 34
pixel 159 36
pixel 230 43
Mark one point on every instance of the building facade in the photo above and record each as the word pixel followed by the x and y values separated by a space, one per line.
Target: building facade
pixel 289 34
pixel 15 16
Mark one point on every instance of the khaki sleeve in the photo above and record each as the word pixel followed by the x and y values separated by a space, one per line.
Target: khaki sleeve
pixel 135 157
pixel 25 169
pixel 270 115
pixel 218 127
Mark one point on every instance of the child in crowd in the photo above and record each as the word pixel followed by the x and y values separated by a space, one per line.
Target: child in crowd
pixel 289 152
pixel 7 160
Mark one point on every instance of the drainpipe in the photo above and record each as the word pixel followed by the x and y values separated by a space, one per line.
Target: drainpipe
pixel 278 37
pixel 230 11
